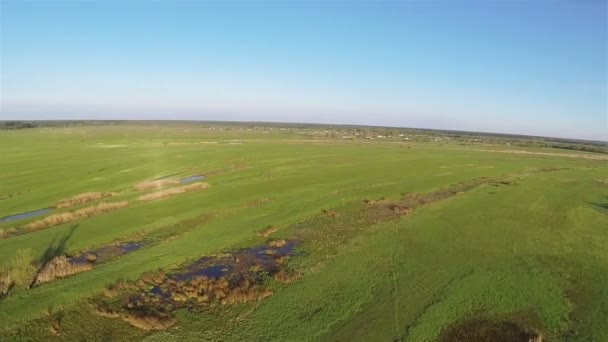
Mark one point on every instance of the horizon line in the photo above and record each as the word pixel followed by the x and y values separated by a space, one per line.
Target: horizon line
pixel 515 135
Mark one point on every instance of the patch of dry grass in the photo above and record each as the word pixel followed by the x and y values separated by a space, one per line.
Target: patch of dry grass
pixel 155 184
pixel 149 320
pixel 7 232
pixel 61 218
pixel 83 198
pixel 287 277
pixel 277 243
pixel 60 267
pixel 266 232
pixel 173 191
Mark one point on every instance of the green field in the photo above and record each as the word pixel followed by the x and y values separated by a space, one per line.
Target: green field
pixel 496 238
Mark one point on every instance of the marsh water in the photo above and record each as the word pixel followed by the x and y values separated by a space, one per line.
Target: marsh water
pixel 25 215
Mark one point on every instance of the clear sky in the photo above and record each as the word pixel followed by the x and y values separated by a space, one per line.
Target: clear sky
pixel 529 67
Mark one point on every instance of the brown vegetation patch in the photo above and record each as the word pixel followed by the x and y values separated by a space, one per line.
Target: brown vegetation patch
pixel 375 202
pixel 331 213
pixel 119 286
pixel 277 243
pixel 266 232
pixel 59 267
pixel 7 232
pixel 83 198
pixel 287 277
pixel 206 291
pixel 226 279
pixel 173 191
pixel 401 209
pixel 104 310
pixel 155 184
pixel 482 330
pixel 69 216
pixel 149 319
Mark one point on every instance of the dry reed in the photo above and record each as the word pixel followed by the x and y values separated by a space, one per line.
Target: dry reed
pixel 83 198
pixel 155 184
pixel 6 283
pixel 61 218
pixel 149 320
pixel 173 191
pixel 266 231
pixel 277 243
pixel 60 267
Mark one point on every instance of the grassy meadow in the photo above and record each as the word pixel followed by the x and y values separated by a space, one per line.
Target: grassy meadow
pixel 396 240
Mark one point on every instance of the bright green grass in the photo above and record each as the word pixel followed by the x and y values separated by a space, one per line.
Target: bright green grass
pixel 537 248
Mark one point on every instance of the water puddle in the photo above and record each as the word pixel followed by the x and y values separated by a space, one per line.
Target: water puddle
pixel 106 253
pixel 25 215
pixel 191 179
pixel 254 262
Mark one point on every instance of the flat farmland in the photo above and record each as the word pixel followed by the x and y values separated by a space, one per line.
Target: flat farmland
pixel 183 231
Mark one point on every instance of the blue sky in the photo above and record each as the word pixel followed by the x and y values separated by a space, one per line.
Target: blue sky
pixel 529 67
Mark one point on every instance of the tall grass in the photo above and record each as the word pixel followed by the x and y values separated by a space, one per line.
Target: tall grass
pixel 6 283
pixel 83 198
pixel 23 267
pixel 61 218
pixel 19 273
pixel 173 191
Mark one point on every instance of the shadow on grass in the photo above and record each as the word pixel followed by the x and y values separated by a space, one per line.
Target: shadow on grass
pixel 601 206
pixel 56 248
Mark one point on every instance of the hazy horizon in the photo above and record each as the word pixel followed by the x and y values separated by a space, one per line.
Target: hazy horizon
pixel 517 68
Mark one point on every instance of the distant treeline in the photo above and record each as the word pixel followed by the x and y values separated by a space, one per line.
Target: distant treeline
pixel 579 147
pixel 17 125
